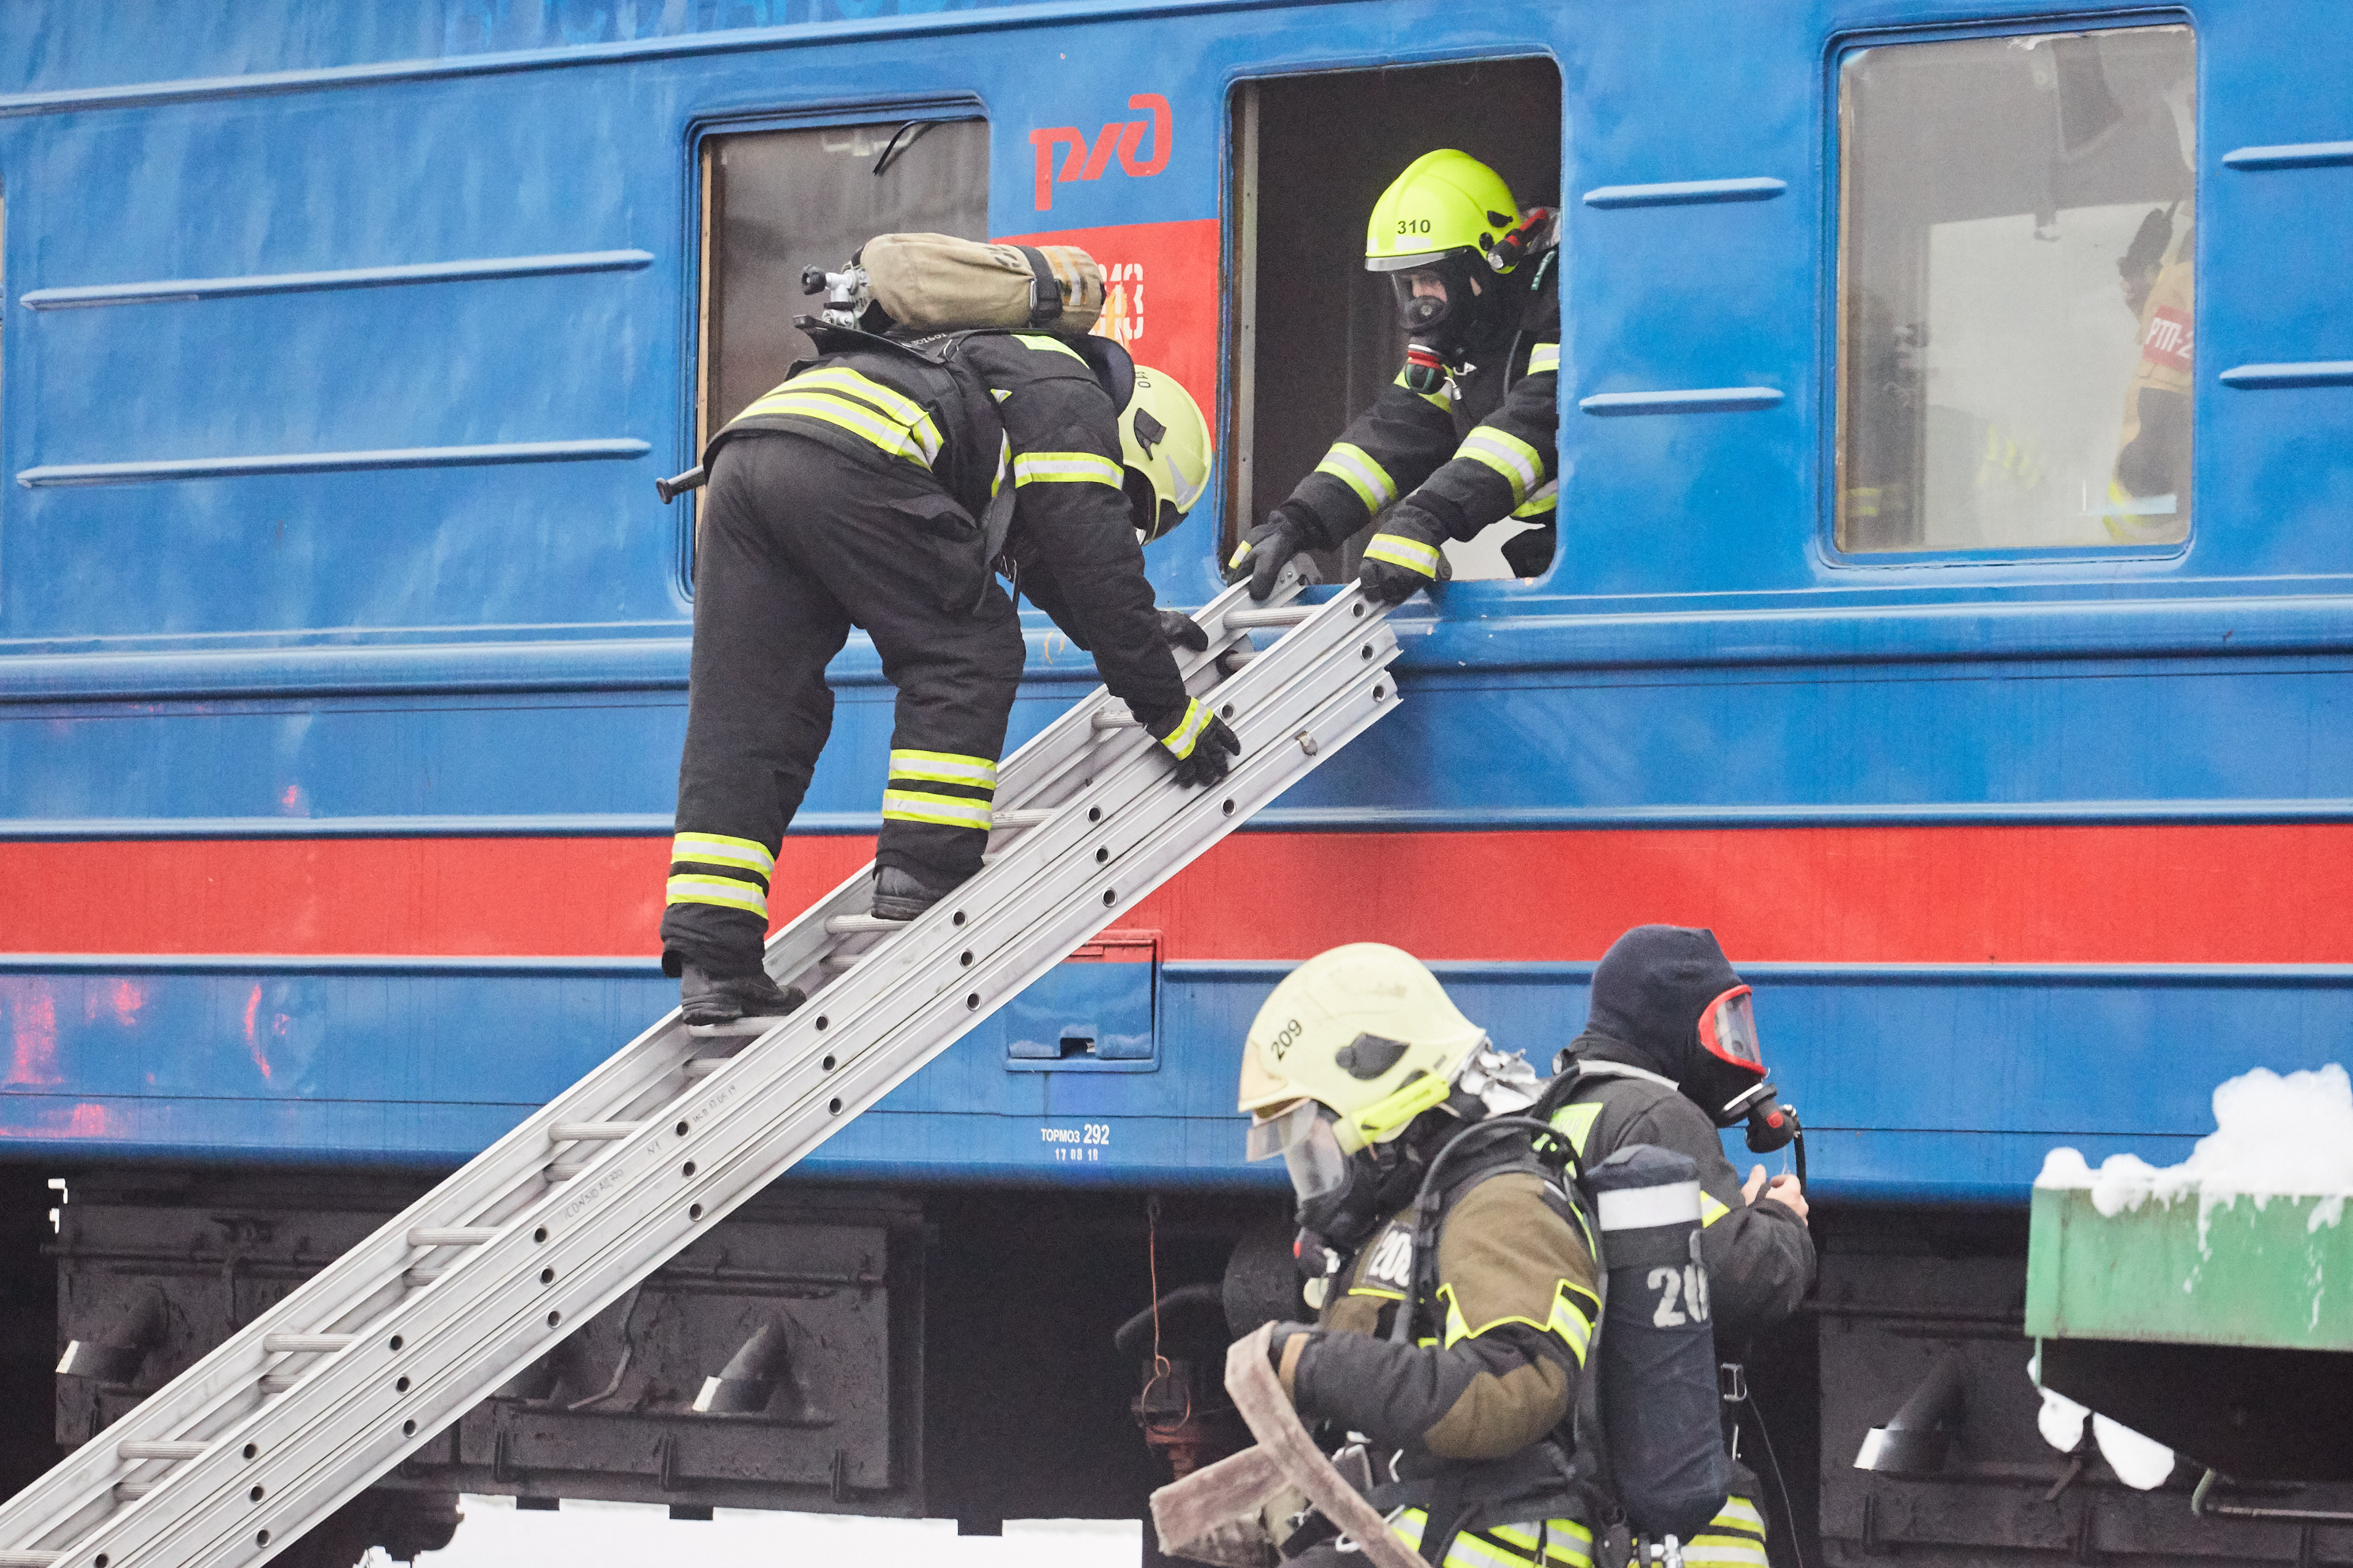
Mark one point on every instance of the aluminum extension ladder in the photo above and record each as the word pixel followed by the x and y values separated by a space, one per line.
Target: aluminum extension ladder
pixel 273 1431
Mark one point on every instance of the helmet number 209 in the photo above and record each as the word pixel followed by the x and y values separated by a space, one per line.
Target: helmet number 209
pixel 1691 1284
pixel 1413 226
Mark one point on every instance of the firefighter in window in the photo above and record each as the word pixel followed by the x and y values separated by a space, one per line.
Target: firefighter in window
pixel 2148 498
pixel 1466 436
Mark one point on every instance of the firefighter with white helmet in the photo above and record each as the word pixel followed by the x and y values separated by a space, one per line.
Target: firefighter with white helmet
pixel 1362 1073
pixel 1466 436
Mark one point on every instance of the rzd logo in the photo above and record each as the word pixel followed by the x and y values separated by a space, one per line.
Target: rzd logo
pixel 1123 137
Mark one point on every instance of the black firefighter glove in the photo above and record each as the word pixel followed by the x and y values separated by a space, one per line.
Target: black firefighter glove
pixel 1178 629
pixel 1284 1349
pixel 1199 742
pixel 1287 530
pixel 1403 556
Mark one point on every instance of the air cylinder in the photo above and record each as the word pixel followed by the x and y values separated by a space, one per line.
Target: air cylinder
pixel 1661 1431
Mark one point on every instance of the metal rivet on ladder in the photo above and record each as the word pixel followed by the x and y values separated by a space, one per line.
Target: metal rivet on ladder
pixel 547 1276
pixel 1306 742
pixel 1365 651
pixel 689 1170
pixel 554 1319
pixel 1357 609
pixel 966 959
pixel 833 1106
pixel 252 1450
pixel 1094 813
pixel 254 1496
pixel 400 1385
pixel 409 1428
pixel 540 1235
pixel 1379 692
pixel 694 1211
pixel 823 1022
pixel 261 1538
pixel 1229 808
pixel 1101 855
pixel 1110 897
pixel 397 1342
pixel 973 1001
pixel 684 1128
pixel 959 918
pixel 1226 711
pixel 828 1064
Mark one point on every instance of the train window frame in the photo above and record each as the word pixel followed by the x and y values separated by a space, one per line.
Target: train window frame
pixel 1242 502
pixel 1839 50
pixel 703 135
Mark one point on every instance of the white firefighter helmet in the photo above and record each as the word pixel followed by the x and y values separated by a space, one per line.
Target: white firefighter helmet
pixel 1367 1032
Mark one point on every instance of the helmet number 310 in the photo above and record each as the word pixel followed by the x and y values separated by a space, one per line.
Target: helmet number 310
pixel 1413 226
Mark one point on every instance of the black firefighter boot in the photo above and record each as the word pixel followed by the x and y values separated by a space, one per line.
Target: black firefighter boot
pixel 901 895
pixel 741 1005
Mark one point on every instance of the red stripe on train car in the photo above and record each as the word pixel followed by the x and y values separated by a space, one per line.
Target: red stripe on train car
pixel 2164 894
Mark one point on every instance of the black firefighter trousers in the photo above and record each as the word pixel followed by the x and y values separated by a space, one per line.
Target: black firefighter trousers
pixel 798 543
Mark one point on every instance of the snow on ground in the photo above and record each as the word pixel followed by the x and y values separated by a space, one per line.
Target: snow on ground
pixel 496 1534
pixel 2274 1137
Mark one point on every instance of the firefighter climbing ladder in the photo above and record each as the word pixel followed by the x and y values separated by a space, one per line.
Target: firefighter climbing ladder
pixel 234 1459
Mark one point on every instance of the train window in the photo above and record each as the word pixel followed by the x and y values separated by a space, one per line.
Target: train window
pixel 2016 222
pixel 1317 338
pixel 776 202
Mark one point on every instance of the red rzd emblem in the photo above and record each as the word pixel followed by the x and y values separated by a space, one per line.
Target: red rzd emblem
pixel 1123 138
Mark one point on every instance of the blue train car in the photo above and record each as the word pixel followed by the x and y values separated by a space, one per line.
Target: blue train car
pixel 1950 609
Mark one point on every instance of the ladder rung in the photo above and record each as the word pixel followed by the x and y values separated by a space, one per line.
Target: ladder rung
pixel 131 1491
pixel 1107 719
pixel 1011 819
pixel 1283 616
pixel 135 1452
pixel 274 1343
pixel 851 925
pixel 29 1558
pixel 417 1279
pixel 703 1066
pixel 592 1131
pixel 838 962
pixel 278 1382
pixel 450 1235
pixel 564 1169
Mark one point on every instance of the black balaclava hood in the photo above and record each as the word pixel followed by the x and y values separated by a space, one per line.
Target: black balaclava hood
pixel 1648 992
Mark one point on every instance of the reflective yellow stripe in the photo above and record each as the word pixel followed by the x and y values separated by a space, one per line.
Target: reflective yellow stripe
pixel 1406 1525
pixel 1543 357
pixel 718 849
pixel 918 444
pixel 1576 1121
pixel 841 378
pixel 1180 740
pixel 1064 468
pixel 1519 463
pixel 1569 1321
pixel 1399 551
pixel 1435 399
pixel 1540 504
pixel 945 767
pixel 726 890
pixel 949 810
pixel 1049 345
pixel 1737 1513
pixel 1710 1211
pixel 1355 467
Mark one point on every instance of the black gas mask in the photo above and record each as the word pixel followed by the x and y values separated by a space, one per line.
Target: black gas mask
pixel 1448 308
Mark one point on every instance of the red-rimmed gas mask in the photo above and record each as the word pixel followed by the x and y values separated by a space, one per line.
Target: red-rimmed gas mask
pixel 1727 1027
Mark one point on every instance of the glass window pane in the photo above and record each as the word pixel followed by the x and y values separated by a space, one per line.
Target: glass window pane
pixel 2015 291
pixel 779 201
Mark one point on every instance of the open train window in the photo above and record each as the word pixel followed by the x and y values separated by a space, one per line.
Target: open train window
pixel 1317 339
pixel 2016 229
pixel 777 201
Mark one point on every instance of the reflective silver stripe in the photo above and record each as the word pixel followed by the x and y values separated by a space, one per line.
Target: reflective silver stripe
pixel 1640 1208
pixel 945 767
pixel 1724 1551
pixel 1355 467
pixel 1064 468
pixel 1188 729
pixel 948 810
pixel 1543 357
pixel 1399 551
pixel 841 378
pixel 726 890
pixel 1520 464
pixel 917 445
pixel 1740 1513
pixel 718 849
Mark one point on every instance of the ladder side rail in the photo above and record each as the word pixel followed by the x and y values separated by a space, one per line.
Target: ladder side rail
pixel 771 1139
pixel 233 1368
